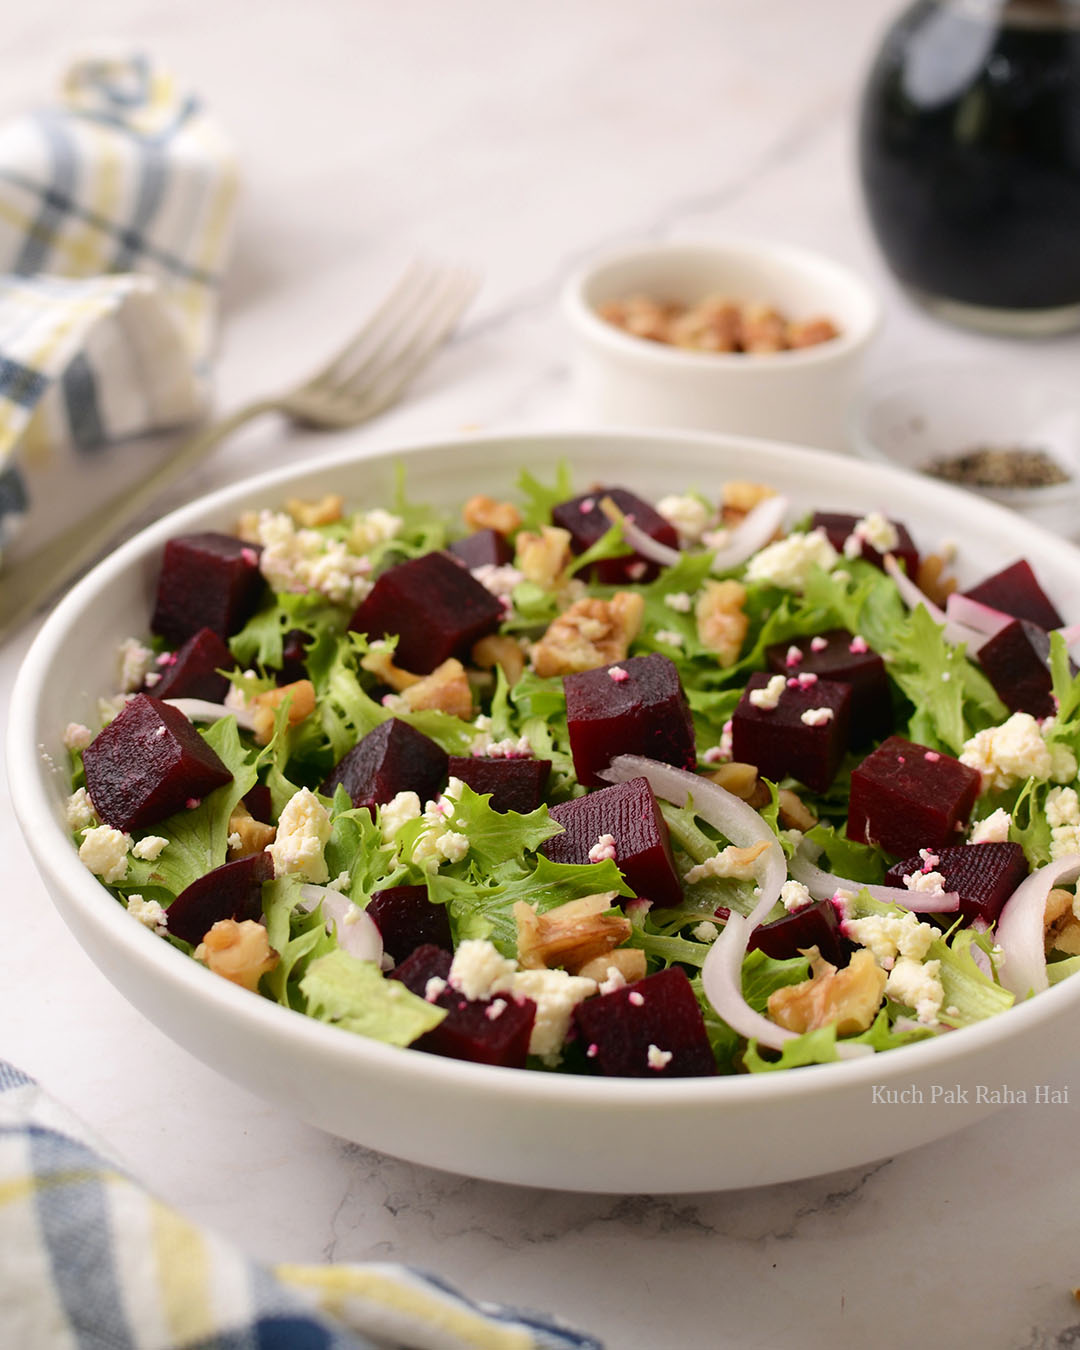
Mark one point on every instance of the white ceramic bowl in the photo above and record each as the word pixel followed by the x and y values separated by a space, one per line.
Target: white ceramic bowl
pixel 801 395
pixel 514 1125
pixel 938 409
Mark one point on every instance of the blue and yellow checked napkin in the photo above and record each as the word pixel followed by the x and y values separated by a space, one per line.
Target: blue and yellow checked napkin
pixel 116 212
pixel 91 1260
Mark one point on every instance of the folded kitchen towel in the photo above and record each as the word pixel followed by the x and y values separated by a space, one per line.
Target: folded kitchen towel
pixel 116 211
pixel 92 1259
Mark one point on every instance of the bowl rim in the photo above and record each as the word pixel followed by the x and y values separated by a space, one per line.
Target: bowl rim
pixel 598 331
pixel 92 904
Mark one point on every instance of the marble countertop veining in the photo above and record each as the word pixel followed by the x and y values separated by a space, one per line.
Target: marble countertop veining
pixel 519 139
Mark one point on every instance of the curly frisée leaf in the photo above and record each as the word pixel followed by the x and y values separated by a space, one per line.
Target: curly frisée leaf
pixel 354 995
pixel 820 1046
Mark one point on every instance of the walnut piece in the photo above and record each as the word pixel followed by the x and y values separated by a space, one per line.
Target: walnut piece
pixel 739 497
pixel 253 834
pixel 628 961
pixel 794 813
pixel 712 326
pixel 542 558
pixel 239 952
pixel 931 579
pixel 809 332
pixel 742 781
pixel 850 998
pixel 590 633
pixel 380 663
pixel 571 935
pixel 721 623
pixel 264 707
pixel 323 512
pixel 503 651
pixel 1062 928
pixel 763 329
pixel 485 513
pixel 446 689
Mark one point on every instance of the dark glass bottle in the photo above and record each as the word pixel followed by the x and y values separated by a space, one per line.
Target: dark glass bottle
pixel 969 155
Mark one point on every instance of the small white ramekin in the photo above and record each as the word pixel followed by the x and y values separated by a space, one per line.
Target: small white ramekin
pixel 800 396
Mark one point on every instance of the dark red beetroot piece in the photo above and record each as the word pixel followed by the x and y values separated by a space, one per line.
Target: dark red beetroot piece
pixel 207 581
pixel 640 711
pixel 587 523
pixel 393 758
pixel 906 797
pixel 434 605
pixel 838 528
pixel 407 919
pixel 984 874
pixel 629 813
pixel 617 1029
pixel 467 1031
pixel 483 548
pixel 232 891
pixel 780 743
pixel 815 925
pixel 192 672
pixel 294 647
pixel 259 802
pixel 1016 661
pixel 515 784
pixel 871 705
pixel 1015 591
pixel 147 763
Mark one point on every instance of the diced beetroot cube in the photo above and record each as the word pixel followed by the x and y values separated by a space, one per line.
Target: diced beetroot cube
pixel 232 891
pixel 147 763
pixel 294 647
pixel 1017 663
pixel 634 708
pixel 193 670
pixel 653 1027
pixel 629 813
pixel 393 758
pixel 838 528
pixel 207 581
pixel 906 797
pixel 515 784
pixel 816 925
pixel 437 608
pixel 1014 590
pixel 838 655
pixel 259 802
pixel 484 1030
pixel 985 875
pixel 483 548
pixel 407 919
pixel 805 735
pixel 587 523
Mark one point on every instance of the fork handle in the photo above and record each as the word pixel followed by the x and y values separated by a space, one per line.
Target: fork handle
pixel 40 576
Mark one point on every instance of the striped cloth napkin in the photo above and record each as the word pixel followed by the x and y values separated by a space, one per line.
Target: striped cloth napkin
pixel 92 1260
pixel 116 212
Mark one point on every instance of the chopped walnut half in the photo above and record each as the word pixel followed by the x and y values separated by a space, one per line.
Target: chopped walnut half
pixel 246 834
pixel 240 952
pixel 323 512
pixel 931 578
pixel 739 498
pixel 542 558
pixel 763 329
pixel 809 332
pixel 446 689
pixel 741 780
pixel 503 651
pixel 721 623
pixel 711 326
pixel 571 935
pixel 485 513
pixel 641 315
pixel 264 707
pixel 850 998
pixel 590 633
pixel 1062 927
pixel 628 961
pixel 380 663
pixel 794 813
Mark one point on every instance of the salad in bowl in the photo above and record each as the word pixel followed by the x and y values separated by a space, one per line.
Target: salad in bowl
pixel 593 782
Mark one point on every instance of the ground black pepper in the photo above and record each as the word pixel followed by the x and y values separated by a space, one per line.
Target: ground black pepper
pixel 998 466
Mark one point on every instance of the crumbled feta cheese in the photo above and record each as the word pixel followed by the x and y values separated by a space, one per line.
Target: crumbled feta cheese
pixel 874 529
pixel 679 601
pixel 148 912
pixel 658 1059
pixel 670 636
pixel 638 1000
pixel 817 717
pixel 433 988
pixel 704 932
pixel 615 980
pixel 302 834
pixel 917 985
pixel 858 646
pixel 729 862
pixel 1062 807
pixel 479 970
pixel 794 895
pixel 688 514
pixel 716 539
pixel 77 737
pixel 618 674
pixel 507 749
pixel 452 845
pixel 926 883
pixel 818 644
pixel 1015 750
pixel 715 755
pixel 135 662
pixel 993 830
pixel 793 656
pixel 787 563
pixel 104 850
pixel 374 528
pixel 769 696
pixel 398 811
pixel 304 560
pixel 500 581
pixel 556 995
pixel 150 848
pixel 889 936
pixel 496 1009
pixel 604 849
pixel 235 841
pixel 79 810
pixel 341 883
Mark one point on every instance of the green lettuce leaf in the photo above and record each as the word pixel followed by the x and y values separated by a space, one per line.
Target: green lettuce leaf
pixel 354 995
pixel 819 1047
pixel 539 499
pixel 496 836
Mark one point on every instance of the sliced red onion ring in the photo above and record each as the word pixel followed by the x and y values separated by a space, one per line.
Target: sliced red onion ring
pixel 199 710
pixel 355 928
pixel 752 533
pixel 721 979
pixel 647 546
pixel 1021 927
pixel 913 597
pixel 974 614
pixel 824 885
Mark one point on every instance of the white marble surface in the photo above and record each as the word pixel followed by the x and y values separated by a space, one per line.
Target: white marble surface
pixel 519 138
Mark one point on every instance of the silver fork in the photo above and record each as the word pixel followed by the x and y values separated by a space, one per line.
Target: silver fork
pixel 361 380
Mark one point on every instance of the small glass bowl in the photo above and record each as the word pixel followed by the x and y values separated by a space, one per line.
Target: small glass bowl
pixel 936 411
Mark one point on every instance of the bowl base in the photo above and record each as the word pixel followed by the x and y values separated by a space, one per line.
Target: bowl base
pixel 1031 323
